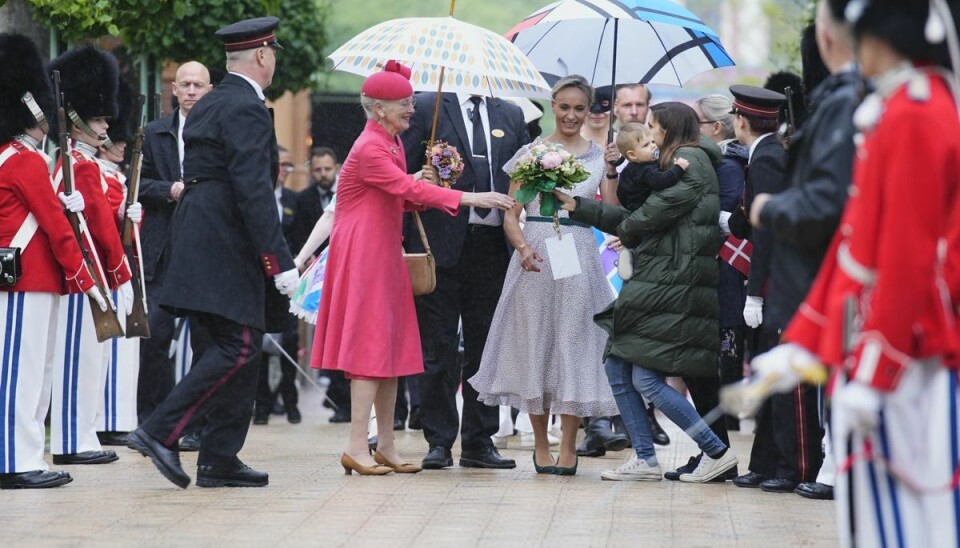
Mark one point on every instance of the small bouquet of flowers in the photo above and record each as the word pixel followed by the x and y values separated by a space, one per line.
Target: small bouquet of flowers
pixel 544 167
pixel 447 160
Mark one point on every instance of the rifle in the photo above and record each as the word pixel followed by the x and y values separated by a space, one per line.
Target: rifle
pixel 137 325
pixel 785 133
pixel 105 322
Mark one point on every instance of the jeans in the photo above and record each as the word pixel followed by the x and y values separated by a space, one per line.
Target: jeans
pixel 628 382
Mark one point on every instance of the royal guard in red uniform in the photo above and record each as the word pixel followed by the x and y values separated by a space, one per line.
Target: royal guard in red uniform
pixel 879 310
pixel 31 220
pixel 118 414
pixel 89 83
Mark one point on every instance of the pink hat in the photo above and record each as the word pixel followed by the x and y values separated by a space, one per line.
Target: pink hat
pixel 391 84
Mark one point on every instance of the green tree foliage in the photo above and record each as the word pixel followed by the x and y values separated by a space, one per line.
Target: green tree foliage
pixel 181 30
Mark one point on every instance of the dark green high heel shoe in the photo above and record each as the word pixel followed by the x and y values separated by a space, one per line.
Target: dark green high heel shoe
pixel 571 471
pixel 543 469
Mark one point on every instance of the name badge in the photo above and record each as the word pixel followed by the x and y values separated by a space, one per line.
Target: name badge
pixel 497 133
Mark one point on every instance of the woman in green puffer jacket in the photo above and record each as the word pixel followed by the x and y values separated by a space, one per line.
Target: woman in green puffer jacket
pixel 664 322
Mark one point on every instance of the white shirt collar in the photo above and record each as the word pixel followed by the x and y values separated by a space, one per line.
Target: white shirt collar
pixel 465 101
pixel 256 86
pixel 183 120
pixel 754 145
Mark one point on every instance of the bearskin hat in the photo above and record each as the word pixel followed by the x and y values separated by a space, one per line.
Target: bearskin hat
pixel 900 23
pixel 121 127
pixel 21 70
pixel 88 79
pixel 814 71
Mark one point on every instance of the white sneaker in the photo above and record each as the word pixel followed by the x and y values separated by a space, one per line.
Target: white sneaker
pixel 710 468
pixel 527 440
pixel 633 470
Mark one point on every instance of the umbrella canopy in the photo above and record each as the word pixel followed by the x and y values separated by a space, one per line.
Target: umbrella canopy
pixel 474 59
pixel 657 41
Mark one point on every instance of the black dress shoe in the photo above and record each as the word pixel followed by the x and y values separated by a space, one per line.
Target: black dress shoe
pixel 35 479
pixel 190 442
pixel 166 460
pixel 86 457
pixel 485 457
pixel 688 468
pixel 261 415
pixel 814 490
pixel 778 485
pixel 414 422
pixel 341 415
pixel 751 479
pixel 659 436
pixel 293 415
pixel 113 438
pixel 238 476
pixel 398 424
pixel 590 448
pixel 437 457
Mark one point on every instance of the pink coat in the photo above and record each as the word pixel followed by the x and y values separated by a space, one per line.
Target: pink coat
pixel 367 324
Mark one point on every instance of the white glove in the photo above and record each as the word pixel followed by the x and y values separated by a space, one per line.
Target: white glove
pixel 782 365
pixel 287 282
pixel 135 212
pixel 860 404
pixel 126 293
pixel 73 203
pixel 95 294
pixel 725 222
pixel 753 311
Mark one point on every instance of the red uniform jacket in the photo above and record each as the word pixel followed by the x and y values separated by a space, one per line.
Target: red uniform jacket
pixel 51 262
pixel 887 258
pixel 101 221
pixel 116 192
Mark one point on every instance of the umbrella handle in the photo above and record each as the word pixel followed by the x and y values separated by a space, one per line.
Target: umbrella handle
pixel 436 111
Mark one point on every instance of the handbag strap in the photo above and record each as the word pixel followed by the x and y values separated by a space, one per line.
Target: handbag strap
pixel 423 233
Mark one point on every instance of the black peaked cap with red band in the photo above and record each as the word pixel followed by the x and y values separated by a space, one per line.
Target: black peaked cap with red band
pixel 755 102
pixel 250 34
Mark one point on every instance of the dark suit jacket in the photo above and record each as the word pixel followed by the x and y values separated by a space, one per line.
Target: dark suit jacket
pixel 226 241
pixel 446 233
pixel 161 167
pixel 307 210
pixel 766 174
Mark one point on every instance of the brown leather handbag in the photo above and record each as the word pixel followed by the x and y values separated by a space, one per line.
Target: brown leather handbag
pixel 422 267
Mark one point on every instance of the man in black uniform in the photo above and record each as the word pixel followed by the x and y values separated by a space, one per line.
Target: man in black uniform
pixel 225 244
pixel 778 461
pixel 804 217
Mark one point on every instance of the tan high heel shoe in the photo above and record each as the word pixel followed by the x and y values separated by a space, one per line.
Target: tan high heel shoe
pixel 405 468
pixel 350 466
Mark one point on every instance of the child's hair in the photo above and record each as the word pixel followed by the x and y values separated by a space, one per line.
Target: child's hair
pixel 630 135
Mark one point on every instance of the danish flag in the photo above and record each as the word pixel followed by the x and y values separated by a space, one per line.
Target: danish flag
pixel 736 253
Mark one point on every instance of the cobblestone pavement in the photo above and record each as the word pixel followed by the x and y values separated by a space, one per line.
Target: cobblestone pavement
pixel 310 502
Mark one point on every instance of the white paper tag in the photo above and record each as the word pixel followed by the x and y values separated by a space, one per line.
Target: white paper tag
pixel 564 261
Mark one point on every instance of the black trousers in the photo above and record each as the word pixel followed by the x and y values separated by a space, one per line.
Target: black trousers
pixel 469 291
pixel 157 368
pixel 411 384
pixel 788 439
pixel 287 389
pixel 218 392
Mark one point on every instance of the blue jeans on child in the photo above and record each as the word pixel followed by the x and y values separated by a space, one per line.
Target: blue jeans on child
pixel 628 382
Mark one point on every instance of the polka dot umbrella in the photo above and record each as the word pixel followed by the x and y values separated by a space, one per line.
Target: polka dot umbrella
pixel 468 58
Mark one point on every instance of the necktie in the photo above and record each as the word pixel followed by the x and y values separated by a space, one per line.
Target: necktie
pixel 480 153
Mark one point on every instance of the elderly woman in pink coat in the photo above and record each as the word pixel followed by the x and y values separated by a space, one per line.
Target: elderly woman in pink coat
pixel 367 324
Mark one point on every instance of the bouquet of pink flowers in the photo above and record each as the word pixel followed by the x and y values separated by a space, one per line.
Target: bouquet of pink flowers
pixel 447 160
pixel 544 167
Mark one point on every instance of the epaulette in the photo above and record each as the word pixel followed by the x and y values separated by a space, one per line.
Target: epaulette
pixel 918 88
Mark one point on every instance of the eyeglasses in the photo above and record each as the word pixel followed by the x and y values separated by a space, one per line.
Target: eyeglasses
pixel 708 122
pixel 406 103
pixel 288 166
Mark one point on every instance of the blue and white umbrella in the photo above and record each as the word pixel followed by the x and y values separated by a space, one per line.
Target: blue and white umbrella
pixel 619 41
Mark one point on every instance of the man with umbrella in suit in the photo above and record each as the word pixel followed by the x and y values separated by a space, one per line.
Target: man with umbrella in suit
pixel 226 253
pixel 472 255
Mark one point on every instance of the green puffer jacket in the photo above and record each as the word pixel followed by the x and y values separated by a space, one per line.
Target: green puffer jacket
pixel 665 318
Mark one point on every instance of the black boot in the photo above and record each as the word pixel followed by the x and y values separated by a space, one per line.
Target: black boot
pixel 659 436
